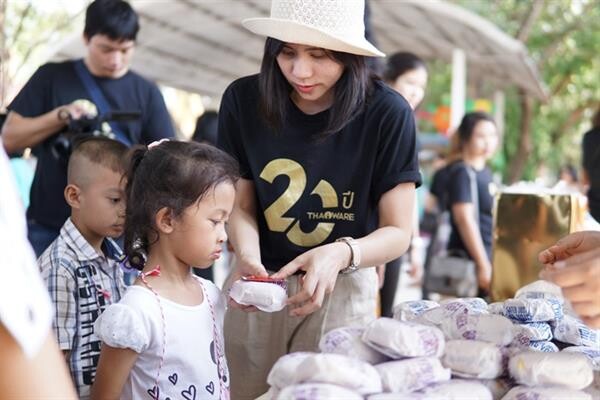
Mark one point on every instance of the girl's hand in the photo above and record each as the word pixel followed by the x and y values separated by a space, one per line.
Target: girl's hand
pixel 322 265
pixel 579 278
pixel 244 266
pixel 575 243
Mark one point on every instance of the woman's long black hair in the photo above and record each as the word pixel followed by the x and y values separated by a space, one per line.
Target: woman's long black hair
pixel 351 90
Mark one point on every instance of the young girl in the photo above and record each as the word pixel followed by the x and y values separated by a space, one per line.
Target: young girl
pixel 328 155
pixel 164 338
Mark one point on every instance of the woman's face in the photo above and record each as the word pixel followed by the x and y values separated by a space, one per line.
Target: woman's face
pixel 411 85
pixel 312 72
pixel 484 140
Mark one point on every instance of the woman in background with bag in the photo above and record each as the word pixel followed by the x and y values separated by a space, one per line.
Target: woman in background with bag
pixel 470 197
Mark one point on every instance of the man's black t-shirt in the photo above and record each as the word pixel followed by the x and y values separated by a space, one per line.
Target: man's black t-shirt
pixel 459 191
pixel 57 84
pixel 591 164
pixel 311 191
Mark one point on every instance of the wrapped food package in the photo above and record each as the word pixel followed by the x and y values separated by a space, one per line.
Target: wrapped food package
pixel 484 327
pixel 573 331
pixel 450 308
pixel 532 368
pixel 283 372
pixel 266 296
pixel 347 341
pixel 533 310
pixel 317 391
pixel 398 339
pixel 545 393
pixel 473 359
pixel 409 310
pixel 340 370
pixel 411 374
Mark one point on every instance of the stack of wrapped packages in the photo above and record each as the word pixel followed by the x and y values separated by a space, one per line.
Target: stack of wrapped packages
pixel 455 349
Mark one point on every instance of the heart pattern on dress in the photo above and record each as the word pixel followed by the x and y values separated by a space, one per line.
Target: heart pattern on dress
pixel 153 392
pixel 190 393
pixel 210 388
pixel 173 378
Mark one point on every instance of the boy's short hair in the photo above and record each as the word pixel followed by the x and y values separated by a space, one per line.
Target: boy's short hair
pixel 97 150
pixel 113 18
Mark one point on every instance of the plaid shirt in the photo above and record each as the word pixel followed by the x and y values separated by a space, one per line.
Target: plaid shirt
pixel 82 284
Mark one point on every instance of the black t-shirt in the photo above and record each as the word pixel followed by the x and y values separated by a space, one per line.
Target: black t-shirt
pixel 57 84
pixel 459 191
pixel 591 164
pixel 312 191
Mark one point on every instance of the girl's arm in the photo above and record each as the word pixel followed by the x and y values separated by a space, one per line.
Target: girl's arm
pixel 464 216
pixel 113 369
pixel 322 264
pixel 44 375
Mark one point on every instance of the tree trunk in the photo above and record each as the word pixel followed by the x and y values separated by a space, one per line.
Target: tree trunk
pixel 519 161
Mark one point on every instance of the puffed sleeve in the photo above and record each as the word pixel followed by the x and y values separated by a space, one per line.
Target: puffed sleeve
pixel 120 326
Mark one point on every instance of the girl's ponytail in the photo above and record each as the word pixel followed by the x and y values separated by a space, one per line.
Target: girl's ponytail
pixel 135 248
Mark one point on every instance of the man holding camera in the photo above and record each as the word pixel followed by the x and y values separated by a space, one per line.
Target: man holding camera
pixel 60 94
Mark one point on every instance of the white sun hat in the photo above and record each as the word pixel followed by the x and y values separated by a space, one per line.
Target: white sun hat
pixel 330 24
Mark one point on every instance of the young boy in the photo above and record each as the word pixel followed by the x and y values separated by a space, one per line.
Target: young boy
pixel 81 267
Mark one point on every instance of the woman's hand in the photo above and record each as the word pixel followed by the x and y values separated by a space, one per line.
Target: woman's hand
pixel 244 266
pixel 322 265
pixel 575 243
pixel 579 278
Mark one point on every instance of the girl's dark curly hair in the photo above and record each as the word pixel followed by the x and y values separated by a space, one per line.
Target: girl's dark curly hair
pixel 174 175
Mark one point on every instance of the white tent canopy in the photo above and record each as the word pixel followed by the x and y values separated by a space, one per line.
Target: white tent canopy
pixel 201 46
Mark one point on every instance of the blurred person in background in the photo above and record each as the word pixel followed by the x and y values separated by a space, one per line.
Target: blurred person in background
pixel 475 142
pixel 59 93
pixel 31 365
pixel 568 179
pixel 591 165
pixel 406 74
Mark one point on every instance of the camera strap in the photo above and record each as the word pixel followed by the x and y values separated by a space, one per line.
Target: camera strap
pixel 98 98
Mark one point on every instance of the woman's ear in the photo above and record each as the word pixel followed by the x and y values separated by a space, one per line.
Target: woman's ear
pixel 164 220
pixel 72 196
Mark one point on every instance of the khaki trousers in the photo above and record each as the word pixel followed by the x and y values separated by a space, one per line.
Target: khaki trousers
pixel 255 341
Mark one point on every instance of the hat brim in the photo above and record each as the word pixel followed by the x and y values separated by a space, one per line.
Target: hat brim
pixel 294 32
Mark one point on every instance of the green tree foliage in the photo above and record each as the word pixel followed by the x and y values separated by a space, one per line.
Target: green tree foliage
pixel 563 39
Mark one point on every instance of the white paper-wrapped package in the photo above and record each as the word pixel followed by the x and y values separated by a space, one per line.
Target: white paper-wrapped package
pixel 545 393
pixel 411 374
pixel 484 327
pixel 534 368
pixel 317 391
pixel 449 308
pixel 398 339
pixel 473 359
pixel 533 310
pixel 339 370
pixel 573 331
pixel 347 341
pixel 409 310
pixel 593 354
pixel 496 308
pixel 265 296
pixel 543 346
pixel 533 332
pixel 283 372
pixel 540 289
pixel 459 389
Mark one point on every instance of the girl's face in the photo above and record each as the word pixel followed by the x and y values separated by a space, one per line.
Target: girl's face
pixel 200 231
pixel 411 85
pixel 484 140
pixel 312 72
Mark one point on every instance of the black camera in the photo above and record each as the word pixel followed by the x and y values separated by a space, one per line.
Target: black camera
pixel 86 126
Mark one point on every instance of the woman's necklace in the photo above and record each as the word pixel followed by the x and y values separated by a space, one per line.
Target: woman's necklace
pixel 221 369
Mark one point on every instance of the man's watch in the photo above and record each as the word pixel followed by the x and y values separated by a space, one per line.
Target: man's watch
pixel 63 114
pixel 354 254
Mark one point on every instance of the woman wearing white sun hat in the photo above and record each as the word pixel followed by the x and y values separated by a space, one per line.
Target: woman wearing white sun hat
pixel 323 147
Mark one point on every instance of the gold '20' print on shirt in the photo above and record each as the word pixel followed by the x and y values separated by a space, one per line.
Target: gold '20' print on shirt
pixel 274 214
